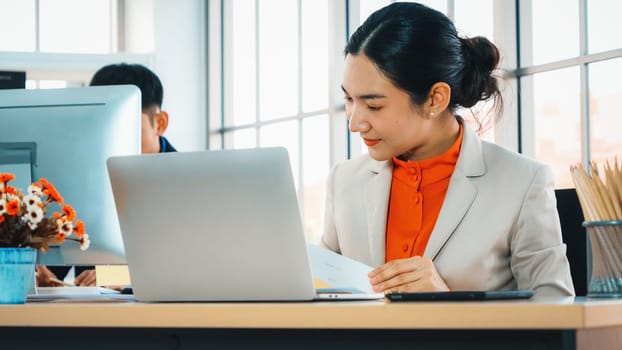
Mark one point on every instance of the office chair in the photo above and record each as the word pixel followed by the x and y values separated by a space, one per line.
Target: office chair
pixel 574 235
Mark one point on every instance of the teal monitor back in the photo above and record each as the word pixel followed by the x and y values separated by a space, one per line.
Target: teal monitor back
pixel 66 136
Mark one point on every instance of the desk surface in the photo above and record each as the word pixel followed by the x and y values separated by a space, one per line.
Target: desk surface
pixel 552 314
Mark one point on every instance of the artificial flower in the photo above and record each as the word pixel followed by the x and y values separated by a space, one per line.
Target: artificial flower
pixel 23 221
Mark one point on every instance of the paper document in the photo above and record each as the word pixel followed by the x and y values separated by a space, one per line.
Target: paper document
pixel 74 290
pixel 77 294
pixel 332 270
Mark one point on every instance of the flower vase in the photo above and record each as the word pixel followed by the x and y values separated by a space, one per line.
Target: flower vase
pixel 17 268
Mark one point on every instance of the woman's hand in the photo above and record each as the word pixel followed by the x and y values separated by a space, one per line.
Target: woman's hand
pixel 416 274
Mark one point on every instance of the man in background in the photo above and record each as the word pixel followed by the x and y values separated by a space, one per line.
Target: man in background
pixel 154 124
pixel 154 119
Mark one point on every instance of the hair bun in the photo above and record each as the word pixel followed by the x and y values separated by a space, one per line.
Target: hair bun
pixel 480 53
pixel 481 57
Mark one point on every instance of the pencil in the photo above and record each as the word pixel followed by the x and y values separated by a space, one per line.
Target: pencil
pixel 600 197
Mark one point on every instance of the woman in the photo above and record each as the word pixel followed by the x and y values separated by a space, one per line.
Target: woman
pixel 431 205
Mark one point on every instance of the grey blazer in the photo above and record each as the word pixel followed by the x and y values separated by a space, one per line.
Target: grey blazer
pixel 498 227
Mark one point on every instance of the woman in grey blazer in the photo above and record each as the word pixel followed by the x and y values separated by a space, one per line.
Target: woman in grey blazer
pixel 495 227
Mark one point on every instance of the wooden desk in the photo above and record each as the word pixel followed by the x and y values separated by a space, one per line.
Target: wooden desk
pixel 553 324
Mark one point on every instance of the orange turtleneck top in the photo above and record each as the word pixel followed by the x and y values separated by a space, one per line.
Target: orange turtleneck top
pixel 417 193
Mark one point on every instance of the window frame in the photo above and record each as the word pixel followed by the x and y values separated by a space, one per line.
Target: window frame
pixel 584 58
pixel 75 68
pixel 220 125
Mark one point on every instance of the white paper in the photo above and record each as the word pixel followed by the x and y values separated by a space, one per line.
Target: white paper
pixel 339 271
pixel 77 294
pixel 75 290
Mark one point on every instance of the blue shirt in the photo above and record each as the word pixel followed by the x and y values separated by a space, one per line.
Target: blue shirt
pixel 165 146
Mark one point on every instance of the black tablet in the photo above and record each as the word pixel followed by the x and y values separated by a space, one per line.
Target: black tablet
pixel 473 295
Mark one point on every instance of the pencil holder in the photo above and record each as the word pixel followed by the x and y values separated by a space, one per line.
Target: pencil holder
pixel 604 258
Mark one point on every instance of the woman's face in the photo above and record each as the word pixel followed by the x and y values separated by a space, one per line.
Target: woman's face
pixel 382 113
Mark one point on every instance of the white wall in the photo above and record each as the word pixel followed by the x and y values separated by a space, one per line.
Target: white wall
pixel 179 59
pixel 180 47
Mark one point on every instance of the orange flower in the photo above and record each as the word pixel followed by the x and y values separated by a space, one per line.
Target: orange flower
pixel 69 212
pixel 12 207
pixel 32 228
pixel 6 177
pixel 78 230
pixel 51 191
pixel 11 190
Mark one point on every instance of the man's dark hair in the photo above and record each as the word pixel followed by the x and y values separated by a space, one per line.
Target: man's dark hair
pixel 134 74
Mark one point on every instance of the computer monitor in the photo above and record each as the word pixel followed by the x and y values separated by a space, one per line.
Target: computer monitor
pixel 12 80
pixel 66 136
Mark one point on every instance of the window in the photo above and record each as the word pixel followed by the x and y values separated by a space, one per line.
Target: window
pixel 603 25
pixel 41 29
pixel 474 18
pixel 89 30
pixel 563 32
pixel 73 26
pixel 275 89
pixel 19 20
pixel 604 113
pixel 568 88
pixel 60 43
pixel 556 114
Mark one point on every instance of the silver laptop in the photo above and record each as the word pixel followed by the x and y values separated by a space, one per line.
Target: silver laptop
pixel 213 226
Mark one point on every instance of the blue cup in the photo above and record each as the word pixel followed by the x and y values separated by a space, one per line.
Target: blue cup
pixel 17 268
